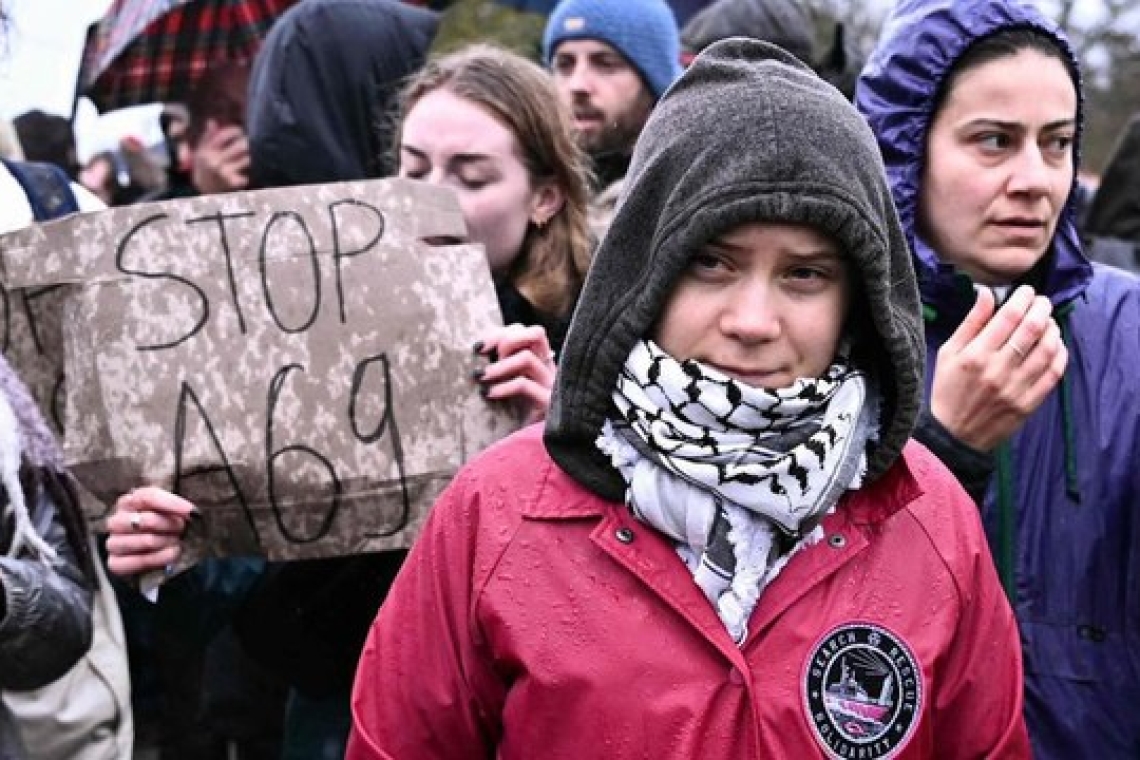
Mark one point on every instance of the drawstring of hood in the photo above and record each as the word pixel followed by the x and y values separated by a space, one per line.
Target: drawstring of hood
pixel 1068 426
pixel 1005 470
pixel 1005 551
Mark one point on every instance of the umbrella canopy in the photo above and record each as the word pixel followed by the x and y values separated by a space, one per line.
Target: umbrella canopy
pixel 147 51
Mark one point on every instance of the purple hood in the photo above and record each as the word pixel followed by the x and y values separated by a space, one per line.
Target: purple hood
pixel 896 92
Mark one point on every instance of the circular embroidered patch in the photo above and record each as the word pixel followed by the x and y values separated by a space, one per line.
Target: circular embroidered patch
pixel 863 692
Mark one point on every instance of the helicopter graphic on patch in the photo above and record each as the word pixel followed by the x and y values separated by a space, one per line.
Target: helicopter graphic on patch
pixel 863 692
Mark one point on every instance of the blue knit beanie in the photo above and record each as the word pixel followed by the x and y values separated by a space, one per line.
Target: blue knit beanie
pixel 644 31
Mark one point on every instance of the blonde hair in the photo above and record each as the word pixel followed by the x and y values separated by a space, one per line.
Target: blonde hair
pixel 520 94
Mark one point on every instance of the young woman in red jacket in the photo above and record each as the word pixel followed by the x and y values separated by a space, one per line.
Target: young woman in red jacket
pixel 723 545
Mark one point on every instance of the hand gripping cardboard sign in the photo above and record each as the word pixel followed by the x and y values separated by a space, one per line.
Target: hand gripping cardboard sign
pixel 295 361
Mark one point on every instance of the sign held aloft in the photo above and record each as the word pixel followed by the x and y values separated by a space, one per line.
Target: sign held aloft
pixel 295 361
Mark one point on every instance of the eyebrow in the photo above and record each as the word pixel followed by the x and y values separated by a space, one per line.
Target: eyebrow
pixel 809 254
pixel 1014 126
pixel 593 56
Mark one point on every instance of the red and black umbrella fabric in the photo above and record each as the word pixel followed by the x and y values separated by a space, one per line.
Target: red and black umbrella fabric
pixel 153 51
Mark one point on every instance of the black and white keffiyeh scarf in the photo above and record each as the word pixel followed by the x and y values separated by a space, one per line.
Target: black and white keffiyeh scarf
pixel 739 477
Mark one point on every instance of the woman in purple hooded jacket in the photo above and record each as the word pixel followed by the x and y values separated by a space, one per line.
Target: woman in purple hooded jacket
pixel 1033 396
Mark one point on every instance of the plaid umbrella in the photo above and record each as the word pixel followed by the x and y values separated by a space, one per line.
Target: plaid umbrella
pixel 147 51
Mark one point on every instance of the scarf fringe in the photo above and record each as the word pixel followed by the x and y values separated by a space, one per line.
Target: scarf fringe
pixel 25 539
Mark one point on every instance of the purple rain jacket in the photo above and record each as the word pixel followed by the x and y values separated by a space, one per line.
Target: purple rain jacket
pixel 1063 508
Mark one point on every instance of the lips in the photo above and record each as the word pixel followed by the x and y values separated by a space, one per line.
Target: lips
pixel 1021 223
pixel 584 112
pixel 1021 231
pixel 757 378
pixel 587 123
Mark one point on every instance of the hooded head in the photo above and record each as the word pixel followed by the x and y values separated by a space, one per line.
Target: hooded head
pixel 747 134
pixel 900 91
pixel 784 23
pixel 789 24
pixel 324 87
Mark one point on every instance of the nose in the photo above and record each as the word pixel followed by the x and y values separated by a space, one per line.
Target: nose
pixel 578 79
pixel 1031 172
pixel 433 177
pixel 750 313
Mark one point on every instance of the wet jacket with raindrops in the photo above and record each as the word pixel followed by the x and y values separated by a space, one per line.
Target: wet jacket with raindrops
pixel 1061 511
pixel 537 618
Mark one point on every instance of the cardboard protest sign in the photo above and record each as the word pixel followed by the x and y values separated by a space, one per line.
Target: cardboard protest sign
pixel 296 362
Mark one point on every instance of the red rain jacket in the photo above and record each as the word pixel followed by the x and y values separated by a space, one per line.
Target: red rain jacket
pixel 536 620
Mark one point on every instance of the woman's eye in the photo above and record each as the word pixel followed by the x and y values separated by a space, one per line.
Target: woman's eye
pixel 811 279
pixel 1060 144
pixel 706 262
pixel 993 141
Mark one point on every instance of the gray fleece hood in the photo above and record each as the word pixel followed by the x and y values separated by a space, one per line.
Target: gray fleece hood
pixel 747 134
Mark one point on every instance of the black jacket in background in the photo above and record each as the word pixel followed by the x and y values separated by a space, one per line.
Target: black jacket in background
pixel 322 96
pixel 1111 229
pixel 323 90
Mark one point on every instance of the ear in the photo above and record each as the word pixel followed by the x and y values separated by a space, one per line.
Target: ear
pixel 546 202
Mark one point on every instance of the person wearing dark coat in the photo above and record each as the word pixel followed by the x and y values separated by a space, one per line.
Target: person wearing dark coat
pixel 1112 222
pixel 323 90
pixel 318 109
pixel 784 23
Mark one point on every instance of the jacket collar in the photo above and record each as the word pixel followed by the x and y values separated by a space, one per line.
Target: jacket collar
pixel 560 497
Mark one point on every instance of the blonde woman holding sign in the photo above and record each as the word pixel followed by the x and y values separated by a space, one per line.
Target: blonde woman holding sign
pixel 488 124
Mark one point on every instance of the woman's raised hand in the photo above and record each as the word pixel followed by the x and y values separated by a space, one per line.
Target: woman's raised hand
pixel 997 368
pixel 521 367
pixel 146 530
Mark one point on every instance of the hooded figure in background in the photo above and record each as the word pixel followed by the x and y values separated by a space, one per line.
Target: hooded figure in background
pixel 1112 223
pixel 996 86
pixel 46 570
pixel 723 546
pixel 322 106
pixel 786 23
pixel 323 90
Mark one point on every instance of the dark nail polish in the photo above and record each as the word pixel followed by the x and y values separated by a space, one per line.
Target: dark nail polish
pixel 477 374
pixel 484 390
pixel 478 347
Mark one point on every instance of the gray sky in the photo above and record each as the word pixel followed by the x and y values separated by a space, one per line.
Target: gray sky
pixel 38 66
